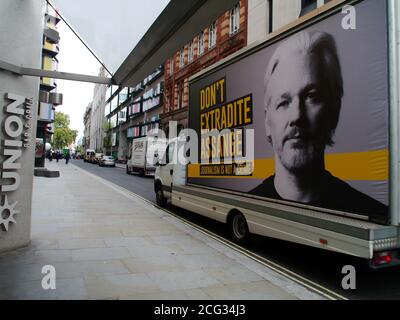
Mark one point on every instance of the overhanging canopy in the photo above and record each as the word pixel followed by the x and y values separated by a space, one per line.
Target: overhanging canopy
pixel 177 25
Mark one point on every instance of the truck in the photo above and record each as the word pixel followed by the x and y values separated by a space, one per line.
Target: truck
pixel 89 155
pixel 297 137
pixel 142 159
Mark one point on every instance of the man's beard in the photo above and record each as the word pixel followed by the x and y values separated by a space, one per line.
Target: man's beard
pixel 301 156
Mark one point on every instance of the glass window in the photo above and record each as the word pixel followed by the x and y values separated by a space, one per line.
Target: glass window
pixel 114 103
pixel 213 35
pixel 108 93
pixel 201 43
pixel 171 66
pixel 182 57
pixel 235 19
pixel 170 154
pixel 123 95
pixel 122 116
pixel 107 109
pixel 113 121
pixel 191 51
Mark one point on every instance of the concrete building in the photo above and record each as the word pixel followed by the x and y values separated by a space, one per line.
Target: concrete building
pixel 48 96
pixel 87 117
pixel 132 112
pixel 21 38
pixel 97 132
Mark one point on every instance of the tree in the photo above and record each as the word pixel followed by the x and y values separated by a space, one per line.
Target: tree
pixel 107 139
pixel 63 135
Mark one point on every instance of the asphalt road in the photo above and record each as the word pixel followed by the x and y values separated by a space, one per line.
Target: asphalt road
pixel 320 266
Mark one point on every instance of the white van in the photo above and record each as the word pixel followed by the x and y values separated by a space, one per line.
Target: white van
pixel 144 155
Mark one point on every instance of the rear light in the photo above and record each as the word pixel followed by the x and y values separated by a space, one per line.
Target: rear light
pixel 382 258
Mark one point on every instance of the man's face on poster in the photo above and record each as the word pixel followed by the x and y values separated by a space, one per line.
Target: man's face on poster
pixel 296 112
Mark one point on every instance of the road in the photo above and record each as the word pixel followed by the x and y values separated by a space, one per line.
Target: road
pixel 320 266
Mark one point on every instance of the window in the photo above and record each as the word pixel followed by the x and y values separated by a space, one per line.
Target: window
pixel 182 57
pixel 310 5
pixel 180 95
pixel 307 6
pixel 191 51
pixel 235 19
pixel 171 66
pixel 270 16
pixel 114 103
pixel 201 43
pixel 213 35
pixel 123 95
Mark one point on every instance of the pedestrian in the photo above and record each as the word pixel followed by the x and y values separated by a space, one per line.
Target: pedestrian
pixel 67 157
pixel 57 156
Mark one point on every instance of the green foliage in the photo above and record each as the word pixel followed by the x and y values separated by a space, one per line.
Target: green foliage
pixel 106 126
pixel 107 142
pixel 63 135
pixel 79 149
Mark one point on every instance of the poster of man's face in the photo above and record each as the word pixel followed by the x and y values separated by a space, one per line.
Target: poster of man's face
pixel 320 116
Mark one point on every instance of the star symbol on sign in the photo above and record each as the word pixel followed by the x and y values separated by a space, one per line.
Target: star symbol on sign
pixel 7 213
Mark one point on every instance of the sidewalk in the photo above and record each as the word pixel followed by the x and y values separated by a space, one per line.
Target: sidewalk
pixel 107 244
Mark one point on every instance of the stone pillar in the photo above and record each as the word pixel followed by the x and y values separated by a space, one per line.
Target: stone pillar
pixel 21 23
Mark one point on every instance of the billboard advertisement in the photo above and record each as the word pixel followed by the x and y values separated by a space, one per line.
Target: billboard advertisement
pixel 303 120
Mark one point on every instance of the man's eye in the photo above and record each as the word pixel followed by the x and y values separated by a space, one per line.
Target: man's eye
pixel 312 96
pixel 282 104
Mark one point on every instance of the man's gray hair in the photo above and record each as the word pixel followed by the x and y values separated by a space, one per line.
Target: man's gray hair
pixel 321 47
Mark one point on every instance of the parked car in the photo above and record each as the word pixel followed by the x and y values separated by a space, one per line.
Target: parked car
pixel 107 161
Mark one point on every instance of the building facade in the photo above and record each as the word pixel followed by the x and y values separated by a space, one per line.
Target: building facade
pixel 48 96
pixel 225 36
pixel 21 23
pixel 131 113
pixel 87 117
pixel 97 131
pixel 266 16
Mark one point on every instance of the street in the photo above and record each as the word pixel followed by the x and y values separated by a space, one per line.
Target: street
pixel 319 266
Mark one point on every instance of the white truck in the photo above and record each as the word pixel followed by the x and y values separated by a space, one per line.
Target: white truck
pixel 343 196
pixel 142 160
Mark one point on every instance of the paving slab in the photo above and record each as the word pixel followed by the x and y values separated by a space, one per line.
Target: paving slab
pixel 107 243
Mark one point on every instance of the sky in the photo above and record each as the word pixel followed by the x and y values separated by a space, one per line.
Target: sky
pixel 111 29
pixel 75 58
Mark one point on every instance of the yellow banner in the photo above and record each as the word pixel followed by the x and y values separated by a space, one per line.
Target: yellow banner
pixel 367 166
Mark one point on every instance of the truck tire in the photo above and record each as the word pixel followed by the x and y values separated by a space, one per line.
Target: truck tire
pixel 127 170
pixel 238 228
pixel 142 173
pixel 160 199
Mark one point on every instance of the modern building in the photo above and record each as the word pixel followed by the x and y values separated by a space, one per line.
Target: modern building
pixel 97 131
pixel 132 112
pixel 87 117
pixel 21 23
pixel 48 96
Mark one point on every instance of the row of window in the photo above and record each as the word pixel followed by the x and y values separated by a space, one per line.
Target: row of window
pixel 142 130
pixel 234 26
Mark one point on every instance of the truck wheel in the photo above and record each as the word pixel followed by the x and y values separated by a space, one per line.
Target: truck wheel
pixel 142 173
pixel 238 228
pixel 127 170
pixel 160 199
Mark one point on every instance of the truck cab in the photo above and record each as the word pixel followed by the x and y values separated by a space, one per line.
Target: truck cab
pixel 169 171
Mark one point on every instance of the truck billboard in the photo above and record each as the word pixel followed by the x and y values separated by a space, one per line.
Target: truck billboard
pixel 317 103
